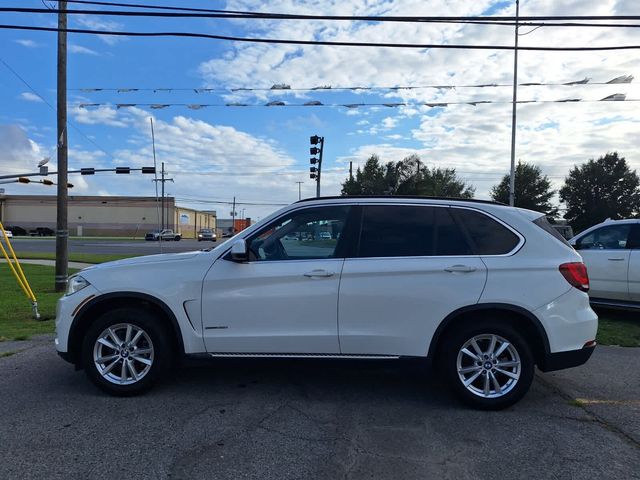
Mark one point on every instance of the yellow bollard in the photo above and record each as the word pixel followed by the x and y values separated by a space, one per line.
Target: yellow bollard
pixel 16 268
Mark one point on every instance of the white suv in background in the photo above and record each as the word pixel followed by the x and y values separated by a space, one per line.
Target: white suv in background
pixel 486 291
pixel 611 251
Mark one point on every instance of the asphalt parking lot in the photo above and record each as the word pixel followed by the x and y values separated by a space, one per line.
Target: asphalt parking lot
pixel 259 419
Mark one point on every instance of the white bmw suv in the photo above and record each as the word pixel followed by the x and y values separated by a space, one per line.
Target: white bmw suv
pixel 484 290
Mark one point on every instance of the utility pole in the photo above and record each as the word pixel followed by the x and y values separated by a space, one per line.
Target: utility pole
pixel 62 232
pixel 350 170
pixel 315 172
pixel 233 217
pixel 163 180
pixel 299 190
pixel 512 176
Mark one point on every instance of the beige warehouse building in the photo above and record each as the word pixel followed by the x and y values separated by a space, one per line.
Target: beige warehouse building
pixel 104 216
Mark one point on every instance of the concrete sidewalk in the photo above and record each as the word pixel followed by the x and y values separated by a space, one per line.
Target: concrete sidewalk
pixel 51 263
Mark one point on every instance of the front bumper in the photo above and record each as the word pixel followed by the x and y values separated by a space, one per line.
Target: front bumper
pixel 66 309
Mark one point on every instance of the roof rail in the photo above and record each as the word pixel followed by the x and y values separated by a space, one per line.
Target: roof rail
pixel 411 197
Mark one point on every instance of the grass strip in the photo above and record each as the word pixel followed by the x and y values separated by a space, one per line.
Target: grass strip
pixel 16 317
pixel 74 257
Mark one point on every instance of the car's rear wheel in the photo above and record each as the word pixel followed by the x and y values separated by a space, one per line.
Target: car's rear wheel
pixel 126 351
pixel 488 364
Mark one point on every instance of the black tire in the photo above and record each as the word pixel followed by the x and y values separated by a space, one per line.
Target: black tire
pixel 156 335
pixel 482 330
pixel 177 238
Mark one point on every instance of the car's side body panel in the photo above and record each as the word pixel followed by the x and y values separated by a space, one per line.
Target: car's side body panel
pixel 392 306
pixel 270 307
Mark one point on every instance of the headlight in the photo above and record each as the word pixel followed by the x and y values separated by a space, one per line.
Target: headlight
pixel 76 283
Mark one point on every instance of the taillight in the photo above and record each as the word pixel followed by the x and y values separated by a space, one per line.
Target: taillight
pixel 576 274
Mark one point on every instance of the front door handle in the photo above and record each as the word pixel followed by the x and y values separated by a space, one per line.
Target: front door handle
pixel 460 269
pixel 616 259
pixel 319 273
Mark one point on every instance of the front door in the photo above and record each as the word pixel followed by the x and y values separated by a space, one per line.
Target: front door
pixel 285 298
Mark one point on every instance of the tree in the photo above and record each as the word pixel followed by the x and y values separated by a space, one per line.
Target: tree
pixel 406 177
pixel 368 181
pixel 532 189
pixel 444 182
pixel 600 189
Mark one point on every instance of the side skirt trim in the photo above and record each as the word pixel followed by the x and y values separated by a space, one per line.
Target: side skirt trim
pixel 303 355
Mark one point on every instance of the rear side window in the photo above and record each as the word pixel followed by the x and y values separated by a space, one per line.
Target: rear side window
pixel 487 236
pixel 396 231
pixel 450 239
pixel 408 231
pixel 544 224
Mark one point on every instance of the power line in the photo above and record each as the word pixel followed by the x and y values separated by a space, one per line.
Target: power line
pixel 622 79
pixel 177 12
pixel 316 42
pixel 69 122
pixel 617 97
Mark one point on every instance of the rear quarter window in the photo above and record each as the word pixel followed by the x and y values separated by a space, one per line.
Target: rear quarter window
pixel 544 224
pixel 487 236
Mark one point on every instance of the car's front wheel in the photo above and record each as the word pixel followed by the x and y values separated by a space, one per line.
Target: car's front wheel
pixel 488 364
pixel 126 351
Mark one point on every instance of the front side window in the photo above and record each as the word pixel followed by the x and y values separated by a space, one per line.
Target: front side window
pixel 613 237
pixel 312 233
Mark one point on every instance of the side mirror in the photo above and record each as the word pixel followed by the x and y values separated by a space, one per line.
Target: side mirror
pixel 239 252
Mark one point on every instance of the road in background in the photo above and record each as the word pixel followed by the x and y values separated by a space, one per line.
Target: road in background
pixel 96 245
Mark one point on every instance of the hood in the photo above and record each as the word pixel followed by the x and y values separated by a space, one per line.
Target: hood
pixel 147 259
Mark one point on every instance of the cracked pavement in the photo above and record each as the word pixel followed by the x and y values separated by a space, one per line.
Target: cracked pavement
pixel 295 419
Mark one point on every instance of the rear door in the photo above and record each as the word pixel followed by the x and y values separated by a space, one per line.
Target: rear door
pixel 412 267
pixel 605 251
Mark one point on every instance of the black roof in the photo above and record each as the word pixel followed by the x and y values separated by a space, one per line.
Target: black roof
pixel 410 197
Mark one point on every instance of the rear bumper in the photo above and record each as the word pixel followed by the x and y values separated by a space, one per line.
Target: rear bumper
pixel 569 359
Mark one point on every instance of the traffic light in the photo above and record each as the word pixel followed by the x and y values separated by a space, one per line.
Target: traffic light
pixel 317 143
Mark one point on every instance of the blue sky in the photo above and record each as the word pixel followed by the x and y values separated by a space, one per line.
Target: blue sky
pixel 258 152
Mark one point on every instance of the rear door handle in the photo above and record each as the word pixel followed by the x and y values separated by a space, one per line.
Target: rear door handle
pixel 460 269
pixel 616 259
pixel 319 273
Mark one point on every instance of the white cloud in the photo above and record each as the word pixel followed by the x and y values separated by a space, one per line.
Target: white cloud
pixel 30 97
pixel 102 115
pixel 95 23
pixel 73 48
pixel 28 43
pixel 389 122
pixel 18 154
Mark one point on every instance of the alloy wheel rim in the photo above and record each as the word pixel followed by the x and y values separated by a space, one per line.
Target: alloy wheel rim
pixel 123 354
pixel 488 366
